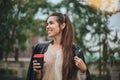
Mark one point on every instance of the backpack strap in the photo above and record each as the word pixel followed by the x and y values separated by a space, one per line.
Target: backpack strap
pixel 78 52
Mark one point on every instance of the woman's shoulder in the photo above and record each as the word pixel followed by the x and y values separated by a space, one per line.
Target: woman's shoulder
pixel 42 44
pixel 41 47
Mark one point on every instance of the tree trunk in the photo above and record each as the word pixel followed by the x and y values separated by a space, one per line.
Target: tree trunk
pixel 1 53
pixel 16 54
pixel 6 56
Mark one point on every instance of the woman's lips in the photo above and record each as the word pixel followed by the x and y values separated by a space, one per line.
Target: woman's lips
pixel 49 31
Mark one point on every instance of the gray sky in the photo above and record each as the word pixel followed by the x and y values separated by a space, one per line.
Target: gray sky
pixel 115 21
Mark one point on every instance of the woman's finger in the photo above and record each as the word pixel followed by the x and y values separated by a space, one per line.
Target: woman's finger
pixel 38 71
pixel 36 67
pixel 34 61
pixel 77 59
pixel 36 64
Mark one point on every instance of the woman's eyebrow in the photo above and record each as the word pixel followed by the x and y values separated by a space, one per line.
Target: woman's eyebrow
pixel 50 22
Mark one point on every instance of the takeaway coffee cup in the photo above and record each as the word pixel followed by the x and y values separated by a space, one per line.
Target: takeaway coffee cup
pixel 40 59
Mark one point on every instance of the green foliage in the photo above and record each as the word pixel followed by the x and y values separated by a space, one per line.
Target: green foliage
pixel 17 23
pixel 8 72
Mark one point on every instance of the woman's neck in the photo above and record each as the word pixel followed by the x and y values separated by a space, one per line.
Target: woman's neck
pixel 57 43
pixel 57 40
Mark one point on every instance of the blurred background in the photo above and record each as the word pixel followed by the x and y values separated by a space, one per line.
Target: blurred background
pixel 97 32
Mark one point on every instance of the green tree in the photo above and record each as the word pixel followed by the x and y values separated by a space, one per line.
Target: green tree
pixel 17 24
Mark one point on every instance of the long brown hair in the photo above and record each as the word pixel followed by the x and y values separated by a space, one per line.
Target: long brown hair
pixel 68 68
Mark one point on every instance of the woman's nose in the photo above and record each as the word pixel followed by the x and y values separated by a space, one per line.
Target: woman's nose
pixel 47 27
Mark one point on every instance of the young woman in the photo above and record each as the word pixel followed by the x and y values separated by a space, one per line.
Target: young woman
pixel 60 60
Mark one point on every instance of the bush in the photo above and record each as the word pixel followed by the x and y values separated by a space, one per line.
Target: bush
pixel 10 78
pixel 7 72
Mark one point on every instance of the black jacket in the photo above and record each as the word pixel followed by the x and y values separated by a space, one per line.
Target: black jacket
pixel 42 48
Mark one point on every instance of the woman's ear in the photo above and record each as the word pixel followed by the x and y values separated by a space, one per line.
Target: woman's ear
pixel 63 26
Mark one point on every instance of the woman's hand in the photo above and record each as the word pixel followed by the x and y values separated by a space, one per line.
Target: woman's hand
pixel 80 64
pixel 36 66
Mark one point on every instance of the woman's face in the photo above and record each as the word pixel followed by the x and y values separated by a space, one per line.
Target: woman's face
pixel 53 28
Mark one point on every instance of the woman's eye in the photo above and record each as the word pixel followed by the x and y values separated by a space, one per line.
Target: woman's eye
pixel 51 22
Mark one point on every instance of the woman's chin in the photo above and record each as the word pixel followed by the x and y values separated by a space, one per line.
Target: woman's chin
pixel 50 36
